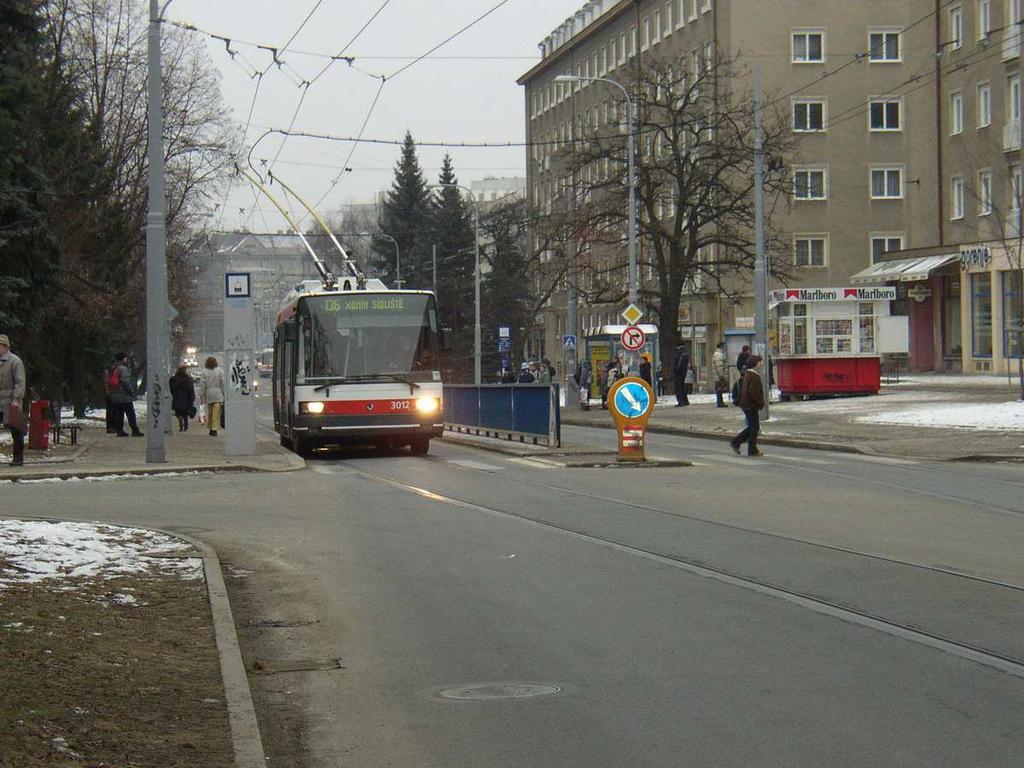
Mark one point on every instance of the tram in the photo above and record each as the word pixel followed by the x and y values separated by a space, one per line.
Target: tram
pixel 357 362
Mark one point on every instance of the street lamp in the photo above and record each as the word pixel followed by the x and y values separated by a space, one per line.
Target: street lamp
pixel 476 277
pixel 630 151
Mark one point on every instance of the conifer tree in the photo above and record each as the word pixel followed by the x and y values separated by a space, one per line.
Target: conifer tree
pixel 405 216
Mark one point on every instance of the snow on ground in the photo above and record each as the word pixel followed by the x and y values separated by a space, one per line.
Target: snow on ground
pixel 998 417
pixel 867 403
pixel 36 551
pixel 953 380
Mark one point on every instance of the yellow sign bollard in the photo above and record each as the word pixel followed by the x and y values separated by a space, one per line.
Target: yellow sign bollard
pixel 631 401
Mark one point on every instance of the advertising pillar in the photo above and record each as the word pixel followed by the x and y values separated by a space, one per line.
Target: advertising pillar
pixel 239 345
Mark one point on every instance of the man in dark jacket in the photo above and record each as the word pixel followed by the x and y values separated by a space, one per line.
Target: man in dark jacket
pixel 743 359
pixel 751 401
pixel 525 377
pixel 681 368
pixel 123 394
pixel 645 370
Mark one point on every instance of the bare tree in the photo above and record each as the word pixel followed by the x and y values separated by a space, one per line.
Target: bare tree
pixel 694 186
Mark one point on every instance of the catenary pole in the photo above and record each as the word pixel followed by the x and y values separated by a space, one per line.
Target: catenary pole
pixel 157 310
pixel 760 271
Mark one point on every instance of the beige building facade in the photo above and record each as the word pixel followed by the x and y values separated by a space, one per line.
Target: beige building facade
pixel 868 91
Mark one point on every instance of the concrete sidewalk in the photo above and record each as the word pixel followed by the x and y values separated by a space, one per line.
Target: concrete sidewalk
pixel 99 454
pixel 837 423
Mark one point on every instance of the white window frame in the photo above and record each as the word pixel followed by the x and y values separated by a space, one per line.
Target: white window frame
pixel 622 51
pixel 956 28
pixel 958 197
pixel 808 101
pixel 887 237
pixel 670 12
pixel 806 33
pixel 984 92
pixel 1013 97
pixel 956 113
pixel 1016 191
pixel 872 100
pixel 885 33
pixel 810 169
pixel 886 169
pixel 985 206
pixel 681 14
pixel 811 237
pixel 634 40
pixel 602 62
pixel 657 31
pixel 693 10
pixel 984 19
pixel 645 33
pixel 705 6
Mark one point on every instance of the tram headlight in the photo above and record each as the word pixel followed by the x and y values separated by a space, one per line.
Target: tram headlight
pixel 313 407
pixel 427 405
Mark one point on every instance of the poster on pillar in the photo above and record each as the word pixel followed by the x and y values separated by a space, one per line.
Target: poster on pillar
pixel 239 352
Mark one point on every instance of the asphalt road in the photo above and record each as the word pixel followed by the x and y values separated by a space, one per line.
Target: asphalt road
pixel 805 609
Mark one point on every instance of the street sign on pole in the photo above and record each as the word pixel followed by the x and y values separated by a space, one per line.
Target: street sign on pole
pixel 633 338
pixel 239 346
pixel 632 314
pixel 569 342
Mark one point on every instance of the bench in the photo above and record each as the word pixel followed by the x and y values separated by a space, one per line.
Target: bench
pixel 57 429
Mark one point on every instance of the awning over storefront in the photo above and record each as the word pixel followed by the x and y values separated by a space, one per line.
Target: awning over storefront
pixel 904 270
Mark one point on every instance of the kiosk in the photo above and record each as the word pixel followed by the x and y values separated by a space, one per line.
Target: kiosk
pixel 605 341
pixel 829 341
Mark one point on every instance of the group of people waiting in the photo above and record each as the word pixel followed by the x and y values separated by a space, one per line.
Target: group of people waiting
pixel 121 392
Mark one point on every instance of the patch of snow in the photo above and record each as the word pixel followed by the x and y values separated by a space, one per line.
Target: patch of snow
pixel 108 478
pixel 996 417
pixel 36 551
pixel 123 599
pixel 952 380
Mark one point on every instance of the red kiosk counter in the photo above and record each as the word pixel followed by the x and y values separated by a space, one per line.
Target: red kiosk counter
pixel 829 341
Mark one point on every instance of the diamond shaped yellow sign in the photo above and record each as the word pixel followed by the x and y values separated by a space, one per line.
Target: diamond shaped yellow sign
pixel 632 313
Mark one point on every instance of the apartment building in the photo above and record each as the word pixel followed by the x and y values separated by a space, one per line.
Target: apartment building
pixel 856 84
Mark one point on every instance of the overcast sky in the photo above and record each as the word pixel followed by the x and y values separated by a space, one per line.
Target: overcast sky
pixel 465 92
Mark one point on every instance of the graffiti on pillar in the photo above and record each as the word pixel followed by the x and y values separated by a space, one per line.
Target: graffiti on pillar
pixel 241 375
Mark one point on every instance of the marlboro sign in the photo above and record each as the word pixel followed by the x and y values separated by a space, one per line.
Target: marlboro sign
pixel 804 295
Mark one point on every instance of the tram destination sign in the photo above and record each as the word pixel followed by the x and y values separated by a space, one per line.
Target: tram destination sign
pixel 366 304
pixel 802 295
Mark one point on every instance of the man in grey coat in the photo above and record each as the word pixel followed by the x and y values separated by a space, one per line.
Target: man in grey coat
pixel 122 395
pixel 12 393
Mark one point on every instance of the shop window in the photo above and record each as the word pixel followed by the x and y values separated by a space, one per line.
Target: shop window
pixel 866 328
pixel 799 329
pixel 833 336
pixel 1013 295
pixel 981 315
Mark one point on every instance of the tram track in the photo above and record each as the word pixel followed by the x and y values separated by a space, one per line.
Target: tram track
pixel 978 654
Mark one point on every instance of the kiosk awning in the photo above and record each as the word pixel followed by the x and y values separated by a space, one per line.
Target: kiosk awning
pixel 904 270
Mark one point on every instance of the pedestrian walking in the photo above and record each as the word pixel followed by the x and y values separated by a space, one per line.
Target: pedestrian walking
pixel 613 372
pixel 681 369
pixel 645 371
pixel 720 373
pixel 121 385
pixel 12 394
pixel 743 359
pixel 751 400
pixel 108 403
pixel 183 397
pixel 584 374
pixel 211 392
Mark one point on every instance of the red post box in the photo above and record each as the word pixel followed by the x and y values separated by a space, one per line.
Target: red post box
pixel 39 425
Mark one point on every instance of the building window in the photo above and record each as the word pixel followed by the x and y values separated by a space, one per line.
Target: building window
pixel 952 339
pixel 884 115
pixel 984 105
pixel 645 34
pixel 809 115
pixel 984 193
pixel 810 250
pixel 956 28
pixel 959 194
pixel 884 46
pixel 809 183
pixel 884 243
pixel 1016 196
pixel 705 7
pixel 984 18
pixel 1013 295
pixel 669 12
pixel 657 27
pixel 1013 97
pixel 632 40
pixel 808 47
pixel 681 14
pixel 602 62
pixel 622 50
pixel 981 315
pixel 956 113
pixel 693 10
pixel 887 183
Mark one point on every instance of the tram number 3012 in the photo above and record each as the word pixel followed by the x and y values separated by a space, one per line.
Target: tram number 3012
pixel 400 405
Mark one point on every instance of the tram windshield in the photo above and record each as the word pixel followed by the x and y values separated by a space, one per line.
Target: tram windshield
pixel 366 336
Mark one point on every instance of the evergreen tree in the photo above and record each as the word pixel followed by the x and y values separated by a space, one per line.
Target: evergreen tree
pixel 405 216
pixel 452 233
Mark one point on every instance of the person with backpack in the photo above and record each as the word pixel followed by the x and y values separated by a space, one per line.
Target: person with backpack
pixel 122 395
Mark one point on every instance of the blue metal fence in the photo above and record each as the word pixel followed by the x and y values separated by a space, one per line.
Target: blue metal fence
pixel 523 412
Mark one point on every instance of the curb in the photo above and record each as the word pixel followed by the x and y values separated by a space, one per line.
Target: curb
pixel 245 731
pixel 990 458
pixel 71 474
pixel 785 442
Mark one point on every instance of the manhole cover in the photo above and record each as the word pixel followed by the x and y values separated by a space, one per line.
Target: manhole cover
pixel 498 691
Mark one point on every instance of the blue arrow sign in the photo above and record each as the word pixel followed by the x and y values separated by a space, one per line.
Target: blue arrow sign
pixel 631 400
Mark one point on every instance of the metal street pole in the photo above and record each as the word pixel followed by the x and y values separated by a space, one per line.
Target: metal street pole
pixel 477 341
pixel 631 169
pixel 433 263
pixel 760 272
pixel 157 311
